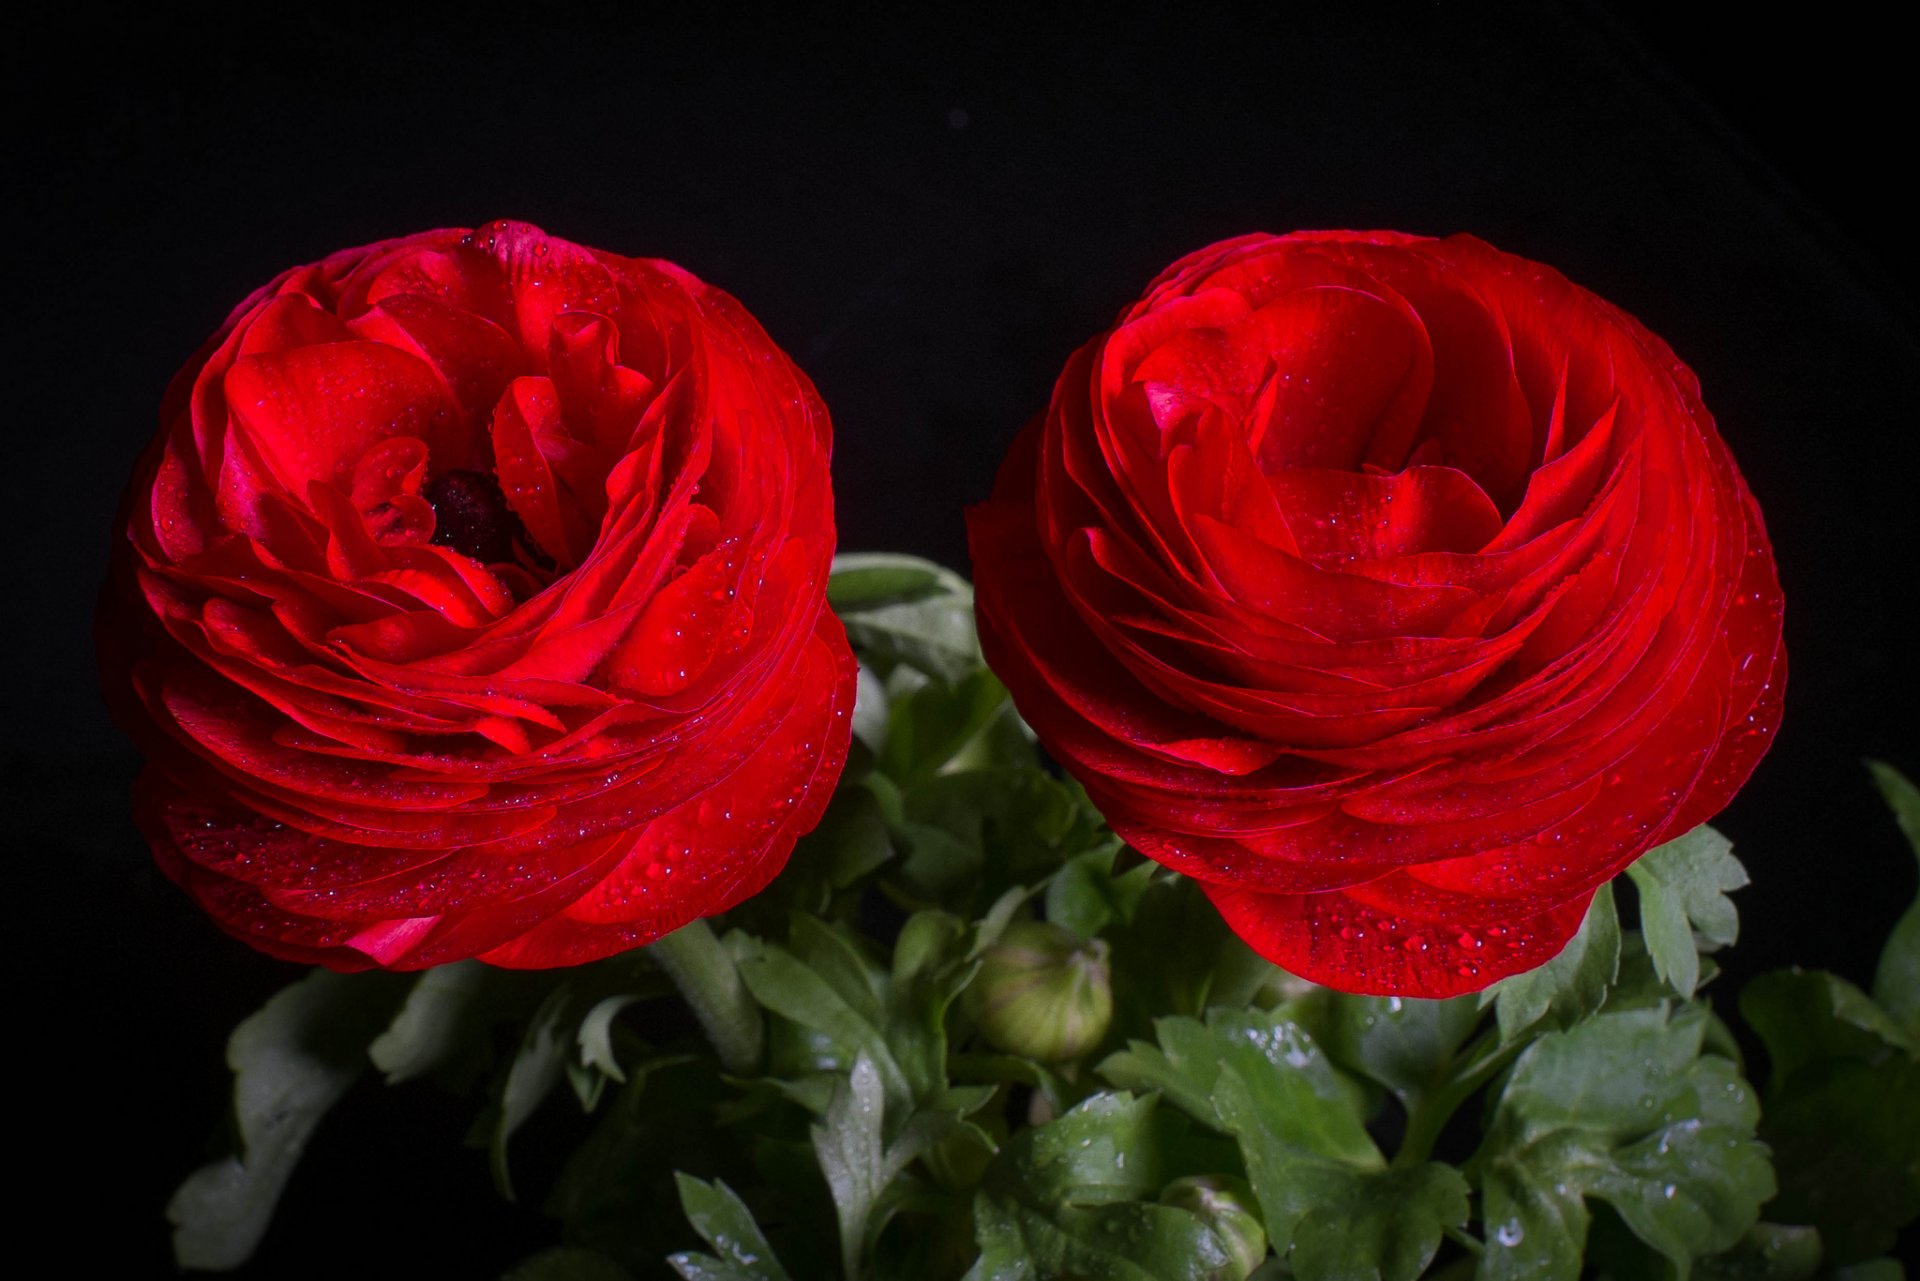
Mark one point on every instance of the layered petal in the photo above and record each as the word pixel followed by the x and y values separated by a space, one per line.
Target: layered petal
pixel 468 572
pixel 1397 589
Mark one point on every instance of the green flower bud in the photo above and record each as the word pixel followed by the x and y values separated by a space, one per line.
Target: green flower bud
pixel 1227 1206
pixel 1042 993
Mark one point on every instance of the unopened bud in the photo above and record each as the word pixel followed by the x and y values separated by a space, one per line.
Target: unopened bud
pixel 1042 992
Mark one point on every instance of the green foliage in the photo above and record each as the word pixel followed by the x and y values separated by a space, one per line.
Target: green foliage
pixel 1622 1108
pixel 291 1062
pixel 1896 984
pixel 857 1121
pixel 1684 908
pixel 1073 1198
pixel 741 1252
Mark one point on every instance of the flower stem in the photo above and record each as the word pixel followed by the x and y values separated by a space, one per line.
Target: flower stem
pixel 701 968
pixel 1429 1113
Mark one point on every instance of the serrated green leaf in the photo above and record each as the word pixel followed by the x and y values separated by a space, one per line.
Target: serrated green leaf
pixel 725 1224
pixel 1768 1252
pixel 566 1263
pixel 291 1061
pixel 1896 983
pixel 1621 1108
pixel 1330 1205
pixel 1293 1084
pixel 1570 986
pixel 1333 1212
pixel 1684 908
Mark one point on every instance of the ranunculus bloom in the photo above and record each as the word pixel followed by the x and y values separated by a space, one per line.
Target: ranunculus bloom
pixel 1395 589
pixel 471 602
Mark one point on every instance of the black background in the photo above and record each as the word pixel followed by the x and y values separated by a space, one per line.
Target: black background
pixel 929 212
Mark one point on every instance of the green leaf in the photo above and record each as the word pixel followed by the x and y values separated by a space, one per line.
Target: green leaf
pixel 1896 984
pixel 1129 1241
pixel 902 610
pixel 724 1223
pixel 1404 1043
pixel 1385 1224
pixel 869 717
pixel 1062 1200
pixel 1842 1110
pixel 784 984
pixel 1338 1210
pixel 928 727
pixel 1684 908
pixel 595 1037
pixel 445 1018
pixel 1106 1149
pixel 1325 1192
pixel 1805 1016
pixel 1151 979
pixel 664 1116
pixel 536 1068
pixel 1768 1252
pixel 1570 986
pixel 1307 1101
pixel 1085 896
pixel 862 580
pixel 565 1263
pixel 291 1060
pixel 1624 1109
pixel 848 1147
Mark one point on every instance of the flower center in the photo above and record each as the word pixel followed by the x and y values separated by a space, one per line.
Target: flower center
pixel 471 516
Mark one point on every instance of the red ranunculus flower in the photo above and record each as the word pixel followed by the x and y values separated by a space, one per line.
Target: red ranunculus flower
pixel 1396 589
pixel 471 602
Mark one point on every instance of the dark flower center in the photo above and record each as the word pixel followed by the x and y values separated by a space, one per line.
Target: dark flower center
pixel 471 516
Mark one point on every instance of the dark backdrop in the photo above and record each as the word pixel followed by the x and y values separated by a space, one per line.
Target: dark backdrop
pixel 929 213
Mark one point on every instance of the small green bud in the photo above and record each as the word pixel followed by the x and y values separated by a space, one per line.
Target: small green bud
pixel 1227 1206
pixel 1042 992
